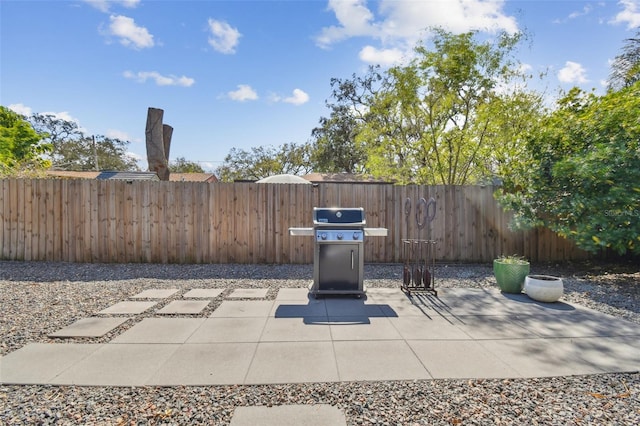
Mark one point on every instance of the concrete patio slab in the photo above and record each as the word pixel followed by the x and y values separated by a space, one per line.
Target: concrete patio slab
pixel 128 308
pixel 217 330
pixel 187 307
pixel 307 329
pixel 249 293
pixel 39 363
pixel 117 365
pixel 160 330
pixel 293 362
pixel 206 364
pixel 460 359
pixel 243 308
pixel 90 327
pixel 289 415
pixel 378 360
pixel 387 335
pixel 156 293
pixel 203 293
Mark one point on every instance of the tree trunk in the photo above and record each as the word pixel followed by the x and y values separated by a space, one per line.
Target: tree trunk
pixel 155 144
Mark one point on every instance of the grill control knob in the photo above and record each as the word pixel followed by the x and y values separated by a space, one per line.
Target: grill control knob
pixel 339 235
pixel 323 235
pixel 356 235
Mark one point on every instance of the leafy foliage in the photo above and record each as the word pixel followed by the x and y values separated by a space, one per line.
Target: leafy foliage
pixel 453 115
pixel 73 150
pixel 582 176
pixel 182 165
pixel 263 161
pixel 625 69
pixel 21 147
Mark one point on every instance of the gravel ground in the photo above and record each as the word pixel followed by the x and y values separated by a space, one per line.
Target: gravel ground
pixel 37 298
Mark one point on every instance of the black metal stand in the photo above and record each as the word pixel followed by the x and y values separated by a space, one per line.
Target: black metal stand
pixel 418 274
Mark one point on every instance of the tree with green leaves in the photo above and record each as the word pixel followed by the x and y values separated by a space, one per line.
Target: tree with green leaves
pixel 581 178
pixel 264 161
pixel 335 148
pixel 440 119
pixel 182 165
pixel 22 149
pixel 625 69
pixel 73 150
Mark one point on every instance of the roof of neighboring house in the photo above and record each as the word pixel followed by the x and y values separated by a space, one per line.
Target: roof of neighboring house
pixel 173 177
pixel 342 178
pixel 127 175
pixel 72 175
pixel 193 177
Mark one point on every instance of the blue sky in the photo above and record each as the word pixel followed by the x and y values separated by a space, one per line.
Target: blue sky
pixel 257 73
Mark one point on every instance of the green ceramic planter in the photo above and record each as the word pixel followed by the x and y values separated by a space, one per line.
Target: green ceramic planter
pixel 510 276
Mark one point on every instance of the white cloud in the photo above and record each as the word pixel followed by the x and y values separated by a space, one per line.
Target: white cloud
pixel 403 23
pixel 64 115
pixel 630 14
pixel 21 109
pixel 572 72
pixel 385 57
pixel 244 93
pixel 105 5
pixel 118 134
pixel 299 97
pixel 130 34
pixel 224 38
pixel 160 80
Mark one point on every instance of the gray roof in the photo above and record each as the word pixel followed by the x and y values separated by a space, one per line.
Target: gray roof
pixel 127 175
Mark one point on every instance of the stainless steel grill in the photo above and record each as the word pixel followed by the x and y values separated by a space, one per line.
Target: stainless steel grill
pixel 338 260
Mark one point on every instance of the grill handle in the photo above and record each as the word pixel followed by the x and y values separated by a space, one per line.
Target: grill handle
pixel 352 265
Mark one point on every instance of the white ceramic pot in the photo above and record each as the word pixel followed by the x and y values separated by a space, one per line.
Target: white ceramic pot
pixel 543 288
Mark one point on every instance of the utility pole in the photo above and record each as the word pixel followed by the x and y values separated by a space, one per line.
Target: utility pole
pixel 95 153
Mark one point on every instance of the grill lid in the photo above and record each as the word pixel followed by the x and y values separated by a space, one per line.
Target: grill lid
pixel 337 216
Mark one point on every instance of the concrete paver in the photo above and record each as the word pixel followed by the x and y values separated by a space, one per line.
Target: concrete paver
pixel 218 330
pixel 307 329
pixel 203 293
pixel 184 307
pixel 243 308
pixel 117 365
pixel 90 327
pixel 386 335
pixel 128 308
pixel 206 364
pixel 156 293
pixel 363 328
pixel 160 330
pixel 460 359
pixel 289 415
pixel 293 362
pixel 378 360
pixel 39 363
pixel 249 293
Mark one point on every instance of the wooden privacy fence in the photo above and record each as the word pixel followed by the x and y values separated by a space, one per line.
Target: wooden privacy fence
pixel 192 222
